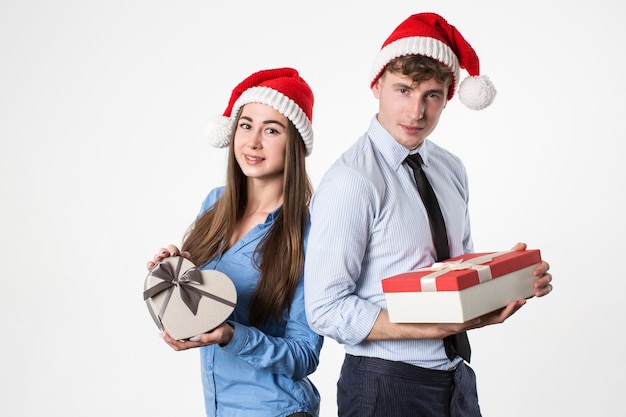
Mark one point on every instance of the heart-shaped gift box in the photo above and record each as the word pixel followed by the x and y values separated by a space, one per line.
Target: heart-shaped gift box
pixel 186 301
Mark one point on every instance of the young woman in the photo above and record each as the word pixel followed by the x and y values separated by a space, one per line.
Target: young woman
pixel 254 230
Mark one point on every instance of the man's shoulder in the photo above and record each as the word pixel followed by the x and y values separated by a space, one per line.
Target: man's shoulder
pixel 359 169
pixel 440 153
pixel 358 152
pixel 360 159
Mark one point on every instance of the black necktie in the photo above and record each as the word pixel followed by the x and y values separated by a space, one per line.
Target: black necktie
pixel 457 343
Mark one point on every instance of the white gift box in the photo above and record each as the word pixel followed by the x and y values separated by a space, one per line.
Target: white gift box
pixel 461 288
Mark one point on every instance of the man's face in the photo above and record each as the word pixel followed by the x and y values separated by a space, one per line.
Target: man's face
pixel 409 111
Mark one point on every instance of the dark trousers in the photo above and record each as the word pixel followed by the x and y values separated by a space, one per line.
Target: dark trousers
pixel 372 387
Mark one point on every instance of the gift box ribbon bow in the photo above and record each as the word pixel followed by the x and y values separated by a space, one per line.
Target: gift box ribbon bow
pixel 189 293
pixel 428 282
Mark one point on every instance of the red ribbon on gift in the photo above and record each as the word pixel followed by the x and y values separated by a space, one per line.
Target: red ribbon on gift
pixel 189 294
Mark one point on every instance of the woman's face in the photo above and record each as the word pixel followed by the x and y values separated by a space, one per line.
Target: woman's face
pixel 260 142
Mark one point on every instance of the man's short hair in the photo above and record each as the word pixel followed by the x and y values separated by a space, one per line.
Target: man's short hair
pixel 420 68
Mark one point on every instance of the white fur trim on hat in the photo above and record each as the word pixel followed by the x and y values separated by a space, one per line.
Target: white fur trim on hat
pixel 477 92
pixel 416 45
pixel 284 105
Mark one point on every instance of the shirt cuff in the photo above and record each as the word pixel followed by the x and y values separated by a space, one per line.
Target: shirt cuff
pixel 240 339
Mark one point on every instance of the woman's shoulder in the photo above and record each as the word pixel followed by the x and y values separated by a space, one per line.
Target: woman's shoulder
pixel 212 198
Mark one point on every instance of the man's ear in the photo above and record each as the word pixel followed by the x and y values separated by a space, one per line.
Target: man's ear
pixel 376 88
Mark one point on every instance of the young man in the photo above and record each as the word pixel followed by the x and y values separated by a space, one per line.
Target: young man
pixel 369 222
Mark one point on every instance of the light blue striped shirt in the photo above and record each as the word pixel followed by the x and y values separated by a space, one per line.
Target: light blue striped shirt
pixel 367 223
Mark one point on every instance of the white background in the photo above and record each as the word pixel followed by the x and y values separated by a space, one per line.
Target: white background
pixel 103 161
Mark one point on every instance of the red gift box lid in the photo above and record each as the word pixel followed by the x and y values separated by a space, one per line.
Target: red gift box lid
pixel 459 279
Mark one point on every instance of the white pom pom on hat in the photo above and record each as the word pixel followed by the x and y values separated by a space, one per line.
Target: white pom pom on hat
pixel 431 35
pixel 218 130
pixel 477 92
pixel 281 88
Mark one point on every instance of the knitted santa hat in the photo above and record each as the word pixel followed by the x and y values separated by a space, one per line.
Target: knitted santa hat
pixel 431 35
pixel 281 88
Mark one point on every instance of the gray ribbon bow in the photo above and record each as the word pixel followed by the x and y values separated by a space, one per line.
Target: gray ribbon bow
pixel 189 293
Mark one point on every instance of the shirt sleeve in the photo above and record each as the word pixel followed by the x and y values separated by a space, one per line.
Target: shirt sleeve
pixel 296 354
pixel 468 244
pixel 341 218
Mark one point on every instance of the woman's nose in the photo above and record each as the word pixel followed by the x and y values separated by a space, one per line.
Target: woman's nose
pixel 254 141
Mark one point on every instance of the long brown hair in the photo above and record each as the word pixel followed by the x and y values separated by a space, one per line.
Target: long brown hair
pixel 281 251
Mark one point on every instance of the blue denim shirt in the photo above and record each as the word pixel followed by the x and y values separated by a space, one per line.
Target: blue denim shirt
pixel 259 372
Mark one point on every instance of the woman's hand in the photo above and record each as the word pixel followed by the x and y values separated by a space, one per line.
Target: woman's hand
pixel 163 253
pixel 220 335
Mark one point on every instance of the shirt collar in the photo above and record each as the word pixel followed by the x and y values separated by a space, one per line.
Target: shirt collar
pixel 269 220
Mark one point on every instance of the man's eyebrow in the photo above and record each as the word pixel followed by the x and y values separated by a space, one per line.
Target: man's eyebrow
pixel 402 85
pixel 411 87
pixel 435 90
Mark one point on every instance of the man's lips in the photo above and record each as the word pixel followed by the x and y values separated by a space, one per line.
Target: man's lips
pixel 412 130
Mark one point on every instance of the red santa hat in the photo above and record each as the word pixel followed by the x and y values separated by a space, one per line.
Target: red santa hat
pixel 281 88
pixel 431 35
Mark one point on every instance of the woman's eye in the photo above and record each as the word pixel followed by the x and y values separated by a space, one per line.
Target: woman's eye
pixel 244 126
pixel 273 131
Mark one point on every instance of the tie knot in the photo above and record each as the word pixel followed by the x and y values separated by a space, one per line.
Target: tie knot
pixel 414 160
